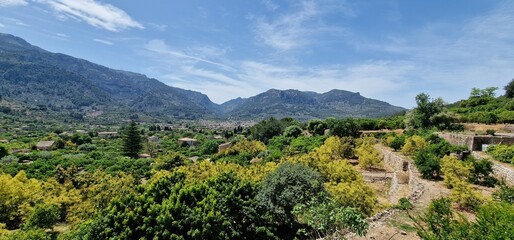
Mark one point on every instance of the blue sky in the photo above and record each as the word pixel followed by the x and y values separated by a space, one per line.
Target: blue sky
pixel 388 50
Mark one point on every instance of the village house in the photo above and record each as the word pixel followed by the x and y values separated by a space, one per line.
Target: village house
pixel 189 141
pixel 153 139
pixel 107 134
pixel 224 146
pixel 45 145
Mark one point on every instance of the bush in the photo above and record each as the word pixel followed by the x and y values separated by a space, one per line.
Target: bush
pixel 87 147
pixel 290 184
pixel 397 143
pixel 327 217
pixel 414 144
pixel 481 173
pixel 169 161
pixel 428 165
pixel 404 204
pixel 292 131
pixel 3 151
pixel 43 216
pixel 505 193
pixel 502 153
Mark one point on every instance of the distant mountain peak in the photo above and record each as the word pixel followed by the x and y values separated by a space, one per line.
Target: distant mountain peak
pixel 84 85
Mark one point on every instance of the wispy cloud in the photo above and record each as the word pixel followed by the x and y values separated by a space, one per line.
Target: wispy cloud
pixel 102 41
pixel 270 5
pixel 105 16
pixel 12 3
pixel 62 35
pixel 13 21
pixel 160 47
pixel 158 27
pixel 299 28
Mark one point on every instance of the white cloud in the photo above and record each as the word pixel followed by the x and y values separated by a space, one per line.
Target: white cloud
pixel 105 16
pixel 12 3
pixel 13 21
pixel 62 35
pixel 102 41
pixel 158 27
pixel 160 47
pixel 270 5
pixel 301 27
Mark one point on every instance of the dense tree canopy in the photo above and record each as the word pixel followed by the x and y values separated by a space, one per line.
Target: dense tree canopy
pixel 132 142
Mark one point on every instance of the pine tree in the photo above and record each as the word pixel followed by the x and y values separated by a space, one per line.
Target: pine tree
pixel 132 141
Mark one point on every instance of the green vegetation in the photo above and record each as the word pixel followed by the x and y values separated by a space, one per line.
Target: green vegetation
pixel 493 221
pixel 502 153
pixel 132 141
pixel 293 186
pixel 483 106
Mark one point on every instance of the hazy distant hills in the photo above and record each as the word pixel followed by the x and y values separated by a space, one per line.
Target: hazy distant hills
pixel 31 76
pixel 308 105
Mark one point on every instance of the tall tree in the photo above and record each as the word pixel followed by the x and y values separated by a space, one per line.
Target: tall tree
pixel 132 143
pixel 509 89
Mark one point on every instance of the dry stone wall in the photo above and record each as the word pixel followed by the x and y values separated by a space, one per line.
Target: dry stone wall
pixel 500 170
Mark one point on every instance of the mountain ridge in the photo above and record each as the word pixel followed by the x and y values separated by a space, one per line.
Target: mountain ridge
pixel 64 82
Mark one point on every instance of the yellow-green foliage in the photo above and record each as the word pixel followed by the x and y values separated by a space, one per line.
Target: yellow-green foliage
pixel 368 155
pixel 389 140
pixel 353 194
pixel 250 147
pixel 456 174
pixel 414 144
pixel 465 196
pixel 330 150
pixel 455 170
pixel 339 171
pixel 98 189
pixel 343 182
pixel 203 170
pixel 19 195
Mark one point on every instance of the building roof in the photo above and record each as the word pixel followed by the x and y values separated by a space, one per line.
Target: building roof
pixel 100 133
pixel 225 144
pixel 187 139
pixel 45 144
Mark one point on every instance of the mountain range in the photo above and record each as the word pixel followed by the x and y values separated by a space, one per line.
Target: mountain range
pixel 33 79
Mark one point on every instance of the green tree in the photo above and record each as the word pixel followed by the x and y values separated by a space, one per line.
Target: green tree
pixel 290 184
pixel 3 151
pixel 420 117
pixel 43 216
pixel 293 131
pixel 266 129
pixel 397 142
pixel 316 127
pixel 169 161
pixel 369 156
pixel 132 142
pixel 428 164
pixel 345 128
pixel 509 89
pixel 327 217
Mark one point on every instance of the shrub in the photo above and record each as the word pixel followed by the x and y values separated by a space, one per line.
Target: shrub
pixel 502 153
pixel 290 184
pixel 293 131
pixel 428 165
pixel 43 216
pixel 414 144
pixel 505 193
pixel 404 204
